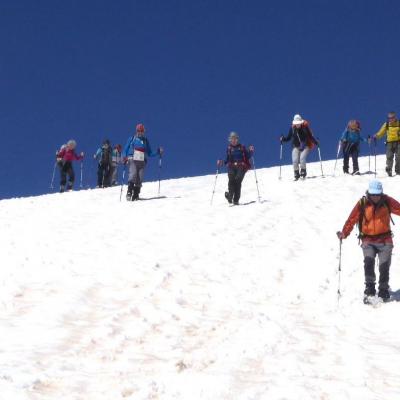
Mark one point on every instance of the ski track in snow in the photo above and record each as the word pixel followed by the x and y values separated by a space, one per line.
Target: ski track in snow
pixel 176 299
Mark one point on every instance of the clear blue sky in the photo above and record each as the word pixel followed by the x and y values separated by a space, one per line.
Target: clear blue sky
pixel 191 71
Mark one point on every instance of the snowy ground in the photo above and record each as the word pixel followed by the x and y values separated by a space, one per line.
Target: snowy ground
pixel 175 299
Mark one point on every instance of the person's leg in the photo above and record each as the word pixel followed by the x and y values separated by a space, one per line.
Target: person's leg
pixel 397 155
pixel 346 157
pixel 354 157
pixel 296 162
pixel 231 184
pixel 385 258
pixel 303 161
pixel 100 172
pixel 369 252
pixel 114 170
pixel 138 179
pixel 63 177
pixel 131 178
pixel 390 150
pixel 238 184
pixel 71 176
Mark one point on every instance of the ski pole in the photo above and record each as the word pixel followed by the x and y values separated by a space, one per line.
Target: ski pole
pixel 375 154
pixel 280 161
pixel 52 178
pixel 255 175
pixel 122 184
pixel 81 184
pixel 159 174
pixel 215 184
pixel 337 156
pixel 320 160
pixel 339 269
pixel 369 155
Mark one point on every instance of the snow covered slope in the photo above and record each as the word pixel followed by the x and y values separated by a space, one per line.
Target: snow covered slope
pixel 175 299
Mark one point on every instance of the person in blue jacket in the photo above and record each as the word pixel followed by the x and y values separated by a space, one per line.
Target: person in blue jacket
pixel 350 142
pixel 238 162
pixel 136 151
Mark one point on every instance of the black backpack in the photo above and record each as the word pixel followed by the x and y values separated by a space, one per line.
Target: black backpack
pixel 106 155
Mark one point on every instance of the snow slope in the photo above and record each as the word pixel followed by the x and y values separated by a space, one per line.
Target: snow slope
pixel 175 299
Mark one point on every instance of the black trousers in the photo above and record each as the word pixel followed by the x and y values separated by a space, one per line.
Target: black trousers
pixel 67 170
pixel 350 150
pixel 103 175
pixel 235 175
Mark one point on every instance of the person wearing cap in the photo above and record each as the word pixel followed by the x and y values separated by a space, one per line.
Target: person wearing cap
pixel 65 157
pixel 372 213
pixel 350 143
pixel 136 152
pixel 391 128
pixel 116 160
pixel 302 141
pixel 238 162
pixel 103 156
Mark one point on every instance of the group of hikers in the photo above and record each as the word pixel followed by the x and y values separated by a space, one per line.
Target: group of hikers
pixel 372 212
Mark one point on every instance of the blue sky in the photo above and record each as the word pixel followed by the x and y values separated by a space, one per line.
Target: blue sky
pixel 191 71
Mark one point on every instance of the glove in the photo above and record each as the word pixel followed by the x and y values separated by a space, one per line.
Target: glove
pixel 82 154
pixel 220 163
pixel 160 151
pixel 281 138
pixel 340 235
pixel 59 159
pixel 125 160
pixel 251 148
pixel 94 157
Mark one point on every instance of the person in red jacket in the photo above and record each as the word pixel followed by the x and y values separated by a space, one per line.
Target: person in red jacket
pixel 64 158
pixel 372 213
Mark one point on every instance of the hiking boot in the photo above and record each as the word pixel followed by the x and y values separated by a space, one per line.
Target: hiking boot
pixel 345 170
pixel 357 172
pixel 62 189
pixel 69 186
pixel 235 203
pixel 384 294
pixel 129 196
pixel 228 196
pixel 388 171
pixel 303 173
pixel 296 175
pixel 136 191
pixel 370 289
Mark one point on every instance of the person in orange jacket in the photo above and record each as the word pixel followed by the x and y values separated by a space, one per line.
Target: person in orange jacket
pixel 372 213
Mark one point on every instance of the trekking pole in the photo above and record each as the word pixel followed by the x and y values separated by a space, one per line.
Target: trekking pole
pixel 52 178
pixel 81 183
pixel 339 269
pixel 320 160
pixel 215 184
pixel 369 155
pixel 255 175
pixel 337 156
pixel 159 174
pixel 122 184
pixel 280 161
pixel 375 154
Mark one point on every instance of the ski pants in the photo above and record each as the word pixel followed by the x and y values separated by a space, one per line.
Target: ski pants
pixel 235 176
pixel 136 172
pixel 350 150
pixel 67 170
pixel 392 151
pixel 114 173
pixel 384 253
pixel 103 175
pixel 299 157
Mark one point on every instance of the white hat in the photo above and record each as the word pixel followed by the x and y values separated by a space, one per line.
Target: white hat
pixel 297 120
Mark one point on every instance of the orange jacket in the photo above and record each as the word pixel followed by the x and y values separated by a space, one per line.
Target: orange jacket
pixel 376 219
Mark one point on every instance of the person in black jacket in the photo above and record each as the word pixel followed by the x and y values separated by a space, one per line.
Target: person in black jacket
pixel 303 141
